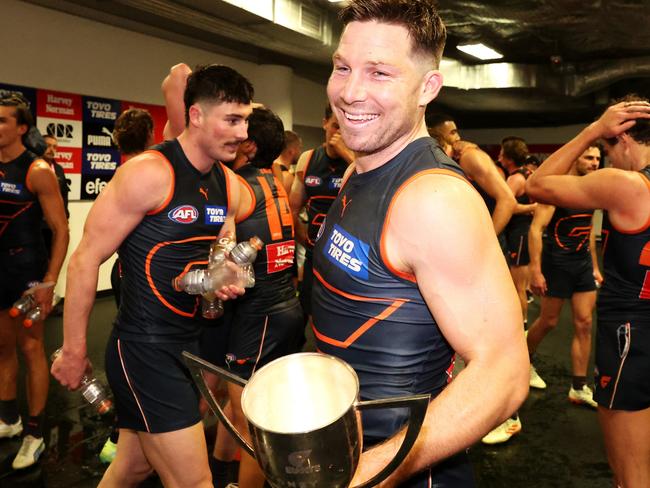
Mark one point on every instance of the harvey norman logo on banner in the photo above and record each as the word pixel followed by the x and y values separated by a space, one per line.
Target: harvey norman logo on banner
pixel 347 252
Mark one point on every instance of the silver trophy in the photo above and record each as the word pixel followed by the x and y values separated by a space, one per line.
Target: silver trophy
pixel 303 412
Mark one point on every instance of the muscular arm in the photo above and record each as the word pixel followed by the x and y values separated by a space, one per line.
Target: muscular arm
pixel 617 191
pixel 42 181
pixel 173 88
pixel 298 196
pixel 543 215
pixel 468 269
pixel 594 253
pixel 480 168
pixel 137 188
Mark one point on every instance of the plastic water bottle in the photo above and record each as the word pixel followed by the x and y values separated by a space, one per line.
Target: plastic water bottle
pixel 92 391
pixel 218 274
pixel 27 305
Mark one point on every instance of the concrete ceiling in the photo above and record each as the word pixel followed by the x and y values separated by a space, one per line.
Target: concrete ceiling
pixel 563 59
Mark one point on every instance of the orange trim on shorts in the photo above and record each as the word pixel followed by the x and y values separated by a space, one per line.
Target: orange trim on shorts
pixel 170 195
pixel 152 285
pixel 395 303
pixel 382 241
pixel 128 382
pixel 253 200
pixel 272 216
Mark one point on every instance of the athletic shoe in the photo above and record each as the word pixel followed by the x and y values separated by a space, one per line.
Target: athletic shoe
pixel 584 396
pixel 29 452
pixel 530 298
pixel 503 432
pixel 108 452
pixel 232 485
pixel 11 430
pixel 536 380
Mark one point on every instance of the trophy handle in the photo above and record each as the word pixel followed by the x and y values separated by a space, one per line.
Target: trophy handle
pixel 417 405
pixel 196 366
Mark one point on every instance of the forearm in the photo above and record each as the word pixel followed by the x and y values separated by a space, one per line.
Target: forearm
pixel 523 208
pixel 535 249
pixel 79 298
pixel 560 162
pixel 482 395
pixel 502 214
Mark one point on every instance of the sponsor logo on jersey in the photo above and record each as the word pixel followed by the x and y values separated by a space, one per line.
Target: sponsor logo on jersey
pixel 279 256
pixel 335 183
pixel 11 188
pixel 312 180
pixel 184 214
pixel 347 252
pixel 215 215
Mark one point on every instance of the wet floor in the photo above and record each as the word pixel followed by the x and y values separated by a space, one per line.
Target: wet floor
pixel 560 445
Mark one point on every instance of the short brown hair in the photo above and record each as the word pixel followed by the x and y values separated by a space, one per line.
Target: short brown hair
pixel 21 104
pixel 132 130
pixel 515 148
pixel 420 17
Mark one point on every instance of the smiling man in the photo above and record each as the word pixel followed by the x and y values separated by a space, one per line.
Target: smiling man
pixel 407 268
pixel 159 211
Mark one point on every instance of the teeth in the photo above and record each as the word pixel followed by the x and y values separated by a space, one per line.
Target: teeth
pixel 361 117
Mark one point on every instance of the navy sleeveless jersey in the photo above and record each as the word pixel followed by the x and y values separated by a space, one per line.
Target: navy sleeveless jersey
pixel 322 180
pixel 169 241
pixel 625 295
pixel 270 219
pixel 20 211
pixel 567 236
pixel 521 221
pixel 363 311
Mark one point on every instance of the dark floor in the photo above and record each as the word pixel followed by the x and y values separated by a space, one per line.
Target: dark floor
pixel 560 445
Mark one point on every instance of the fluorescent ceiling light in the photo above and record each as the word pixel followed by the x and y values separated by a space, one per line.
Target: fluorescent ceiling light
pixel 480 51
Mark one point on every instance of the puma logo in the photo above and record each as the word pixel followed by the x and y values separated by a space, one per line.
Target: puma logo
pixel 345 202
pixel 204 192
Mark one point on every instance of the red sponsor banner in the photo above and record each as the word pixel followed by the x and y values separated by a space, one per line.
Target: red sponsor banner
pixel 58 105
pixel 69 158
pixel 279 256
pixel 158 113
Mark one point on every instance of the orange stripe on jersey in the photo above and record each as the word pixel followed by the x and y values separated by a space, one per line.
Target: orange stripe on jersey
pixel 357 298
pixel 250 209
pixel 171 189
pixel 272 216
pixel 368 324
pixel 225 170
pixel 189 266
pixel 382 241
pixel 23 207
pixel 152 285
pixel 644 259
pixel 283 203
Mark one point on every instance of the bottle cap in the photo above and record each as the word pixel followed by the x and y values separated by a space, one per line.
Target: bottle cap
pixel 14 312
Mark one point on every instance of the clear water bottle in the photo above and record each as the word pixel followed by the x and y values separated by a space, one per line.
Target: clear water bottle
pixel 26 305
pixel 23 305
pixel 211 307
pixel 207 281
pixel 92 391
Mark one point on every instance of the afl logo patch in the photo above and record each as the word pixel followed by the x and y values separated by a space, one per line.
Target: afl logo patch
pixel 184 214
pixel 312 181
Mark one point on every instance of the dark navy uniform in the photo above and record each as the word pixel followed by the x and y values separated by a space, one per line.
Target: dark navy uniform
pixel 155 323
pixel 517 229
pixel 267 320
pixel 23 256
pixel 566 257
pixel 374 317
pixel 322 180
pixel 623 338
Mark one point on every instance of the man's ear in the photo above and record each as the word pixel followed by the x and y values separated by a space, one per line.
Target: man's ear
pixel 196 115
pixel 432 83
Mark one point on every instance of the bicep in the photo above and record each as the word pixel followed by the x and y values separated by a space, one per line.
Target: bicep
pixel 44 183
pixel 467 287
